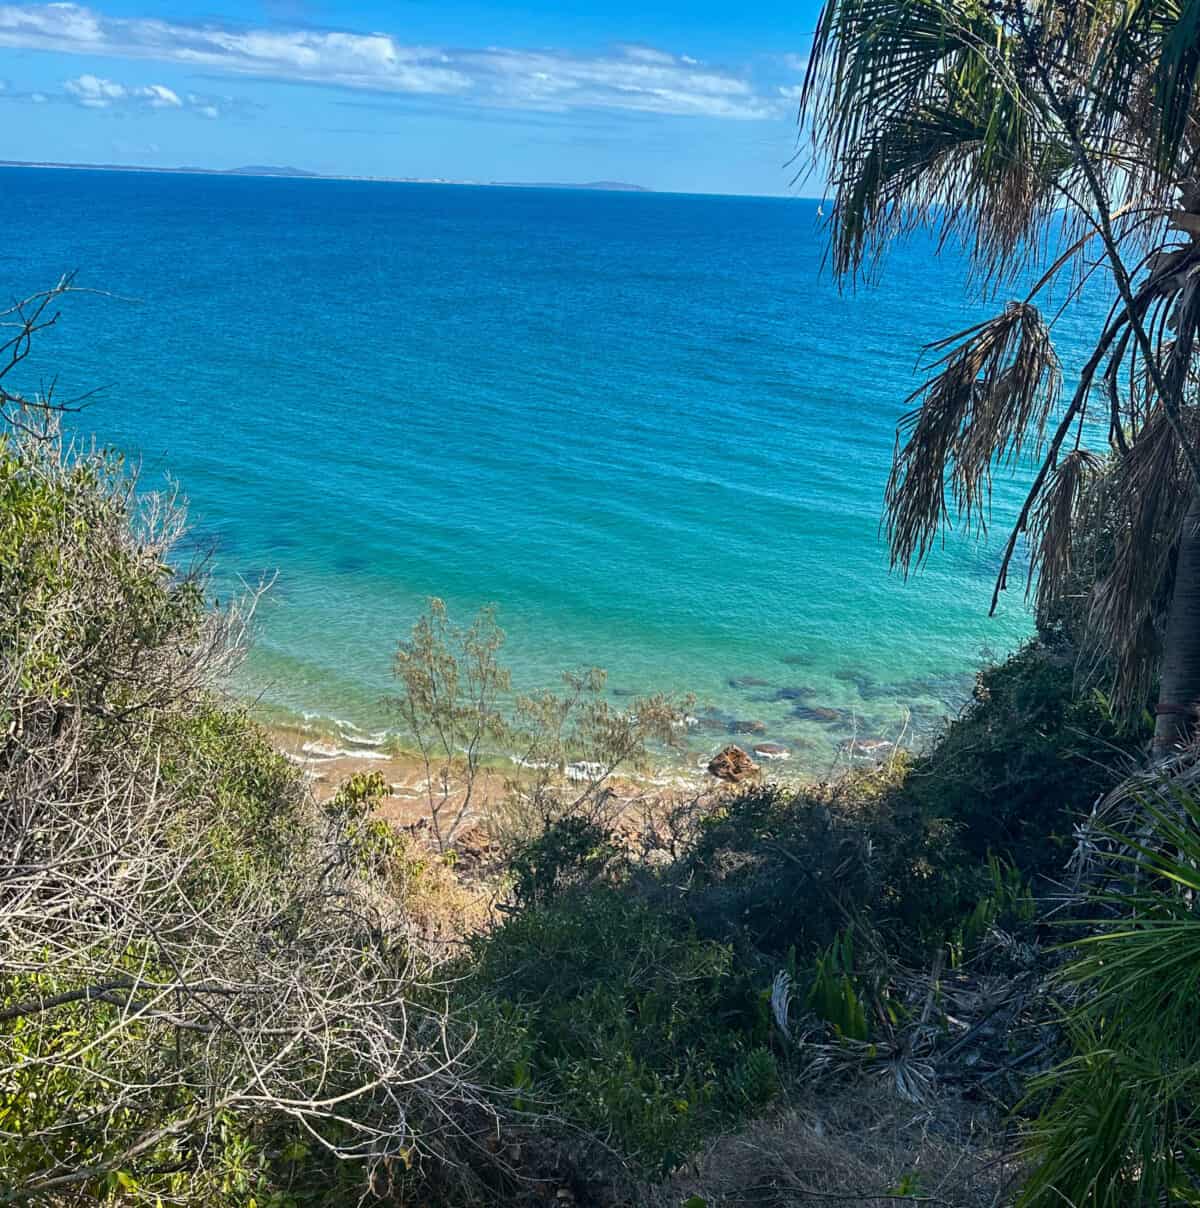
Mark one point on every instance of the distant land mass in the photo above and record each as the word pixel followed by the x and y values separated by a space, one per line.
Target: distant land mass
pixel 611 186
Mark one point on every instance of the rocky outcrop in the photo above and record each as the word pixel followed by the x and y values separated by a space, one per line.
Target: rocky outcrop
pixel 733 765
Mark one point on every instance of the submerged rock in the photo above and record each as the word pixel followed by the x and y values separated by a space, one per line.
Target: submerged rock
pixel 819 713
pixel 749 681
pixel 732 764
pixel 868 748
pixel 772 750
pixel 747 727
pixel 712 724
pixel 801 693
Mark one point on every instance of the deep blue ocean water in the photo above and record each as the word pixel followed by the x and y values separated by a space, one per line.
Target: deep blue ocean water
pixel 648 426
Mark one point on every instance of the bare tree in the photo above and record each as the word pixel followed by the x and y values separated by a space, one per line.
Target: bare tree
pixel 19 323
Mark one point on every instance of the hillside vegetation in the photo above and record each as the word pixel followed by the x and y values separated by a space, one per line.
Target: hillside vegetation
pixel 214 991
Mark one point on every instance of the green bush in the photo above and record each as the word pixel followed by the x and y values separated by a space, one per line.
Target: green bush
pixel 571 851
pixel 1024 763
pixel 201 975
pixel 778 870
pixel 619 1018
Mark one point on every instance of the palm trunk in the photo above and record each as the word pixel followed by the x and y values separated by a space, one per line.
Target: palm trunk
pixel 1179 691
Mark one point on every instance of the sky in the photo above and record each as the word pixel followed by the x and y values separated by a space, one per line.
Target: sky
pixel 682 95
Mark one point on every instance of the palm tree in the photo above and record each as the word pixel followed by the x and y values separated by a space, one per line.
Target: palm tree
pixel 1059 135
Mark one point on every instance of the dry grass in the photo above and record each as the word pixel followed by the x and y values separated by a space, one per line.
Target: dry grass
pixel 855 1147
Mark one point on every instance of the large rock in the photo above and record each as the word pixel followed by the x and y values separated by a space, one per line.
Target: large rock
pixel 732 764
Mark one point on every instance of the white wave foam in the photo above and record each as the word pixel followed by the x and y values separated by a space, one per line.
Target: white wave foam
pixel 322 752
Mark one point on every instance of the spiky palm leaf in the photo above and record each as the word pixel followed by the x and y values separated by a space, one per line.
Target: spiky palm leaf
pixel 1123 1123
pixel 1005 124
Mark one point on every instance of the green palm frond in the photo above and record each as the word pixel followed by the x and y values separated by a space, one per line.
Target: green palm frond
pixel 922 111
pixel 1122 1123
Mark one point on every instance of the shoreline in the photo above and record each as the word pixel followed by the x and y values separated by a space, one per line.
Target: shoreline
pixel 329 752
pixel 801 722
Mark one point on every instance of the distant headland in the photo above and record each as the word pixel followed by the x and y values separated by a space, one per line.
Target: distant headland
pixel 610 186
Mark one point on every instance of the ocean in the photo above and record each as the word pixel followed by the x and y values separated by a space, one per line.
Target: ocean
pixel 649 427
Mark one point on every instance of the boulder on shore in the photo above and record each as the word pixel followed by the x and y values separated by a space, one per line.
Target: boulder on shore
pixel 733 765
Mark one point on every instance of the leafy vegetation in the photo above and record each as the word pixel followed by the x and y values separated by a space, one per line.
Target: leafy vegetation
pixel 1025 762
pixel 200 976
pixel 1122 1123
pixel 619 1018
pixel 216 991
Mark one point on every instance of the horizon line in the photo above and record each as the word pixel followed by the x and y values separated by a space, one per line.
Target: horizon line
pixel 281 172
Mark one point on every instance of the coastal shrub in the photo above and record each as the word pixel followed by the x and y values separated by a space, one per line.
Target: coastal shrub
pixel 200 975
pixel 1024 763
pixel 613 1015
pixel 774 869
pixel 571 852
pixel 569 746
pixel 777 869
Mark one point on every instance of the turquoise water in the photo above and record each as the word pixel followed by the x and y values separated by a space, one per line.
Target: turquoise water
pixel 648 427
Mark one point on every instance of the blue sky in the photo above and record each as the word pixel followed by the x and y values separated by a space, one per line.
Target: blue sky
pixel 691 96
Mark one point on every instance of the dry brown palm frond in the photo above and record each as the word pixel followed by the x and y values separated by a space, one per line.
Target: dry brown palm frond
pixel 1052 534
pixel 995 389
pixel 1151 489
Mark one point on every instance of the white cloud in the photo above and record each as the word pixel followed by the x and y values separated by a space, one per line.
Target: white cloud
pixel 205 106
pixel 792 93
pixel 637 78
pixel 95 92
pixel 161 97
pixel 633 78
pixel 92 92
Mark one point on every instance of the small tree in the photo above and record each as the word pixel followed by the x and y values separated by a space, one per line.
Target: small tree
pixel 456 707
pixel 573 744
pixel 450 706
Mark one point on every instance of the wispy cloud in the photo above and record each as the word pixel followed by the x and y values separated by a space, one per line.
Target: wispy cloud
pixel 96 92
pixel 632 78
